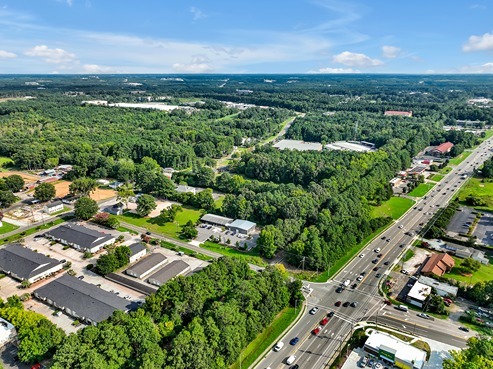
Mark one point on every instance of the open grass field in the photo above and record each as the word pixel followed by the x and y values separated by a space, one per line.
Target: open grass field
pixel 485 273
pixel 171 229
pixel 478 189
pixel 218 203
pixel 437 177
pixel 62 189
pixel 267 338
pixel 394 207
pixel 4 160
pixel 7 227
pixel 252 256
pixel 445 170
pixel 30 231
pixel 459 159
pixel 421 190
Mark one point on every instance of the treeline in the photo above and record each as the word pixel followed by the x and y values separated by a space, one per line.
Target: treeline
pixel 201 321
pixel 100 140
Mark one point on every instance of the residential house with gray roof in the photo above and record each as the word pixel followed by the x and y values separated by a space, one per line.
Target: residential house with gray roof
pixel 81 238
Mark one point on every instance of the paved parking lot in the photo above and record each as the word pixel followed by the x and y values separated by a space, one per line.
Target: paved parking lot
pixel 8 358
pixel 461 217
pixel 357 355
pixel 484 229
pixel 205 231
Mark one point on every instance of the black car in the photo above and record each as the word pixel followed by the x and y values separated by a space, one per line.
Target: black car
pixel 295 366
pixel 148 233
pixel 374 261
pixel 339 289
pixel 331 314
pixel 386 263
pixel 354 286
pixel 378 275
pixel 376 269
pixel 81 277
pixel 346 304
pixel 464 329
pixel 354 304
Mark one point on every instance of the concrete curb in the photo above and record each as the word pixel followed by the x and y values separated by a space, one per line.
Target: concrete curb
pixel 286 331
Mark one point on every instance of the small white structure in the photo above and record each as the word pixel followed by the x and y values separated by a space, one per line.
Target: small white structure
pixel 185 189
pixel 137 251
pixel 418 294
pixel 7 332
pixel 147 265
pixel 443 289
pixel 394 351
pixel 53 207
pixel 242 226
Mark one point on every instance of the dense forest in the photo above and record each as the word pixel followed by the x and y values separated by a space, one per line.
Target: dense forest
pixel 202 321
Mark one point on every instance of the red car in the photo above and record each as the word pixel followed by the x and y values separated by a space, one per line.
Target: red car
pixel 324 321
pixel 387 302
pixel 338 303
pixel 446 299
pixel 316 330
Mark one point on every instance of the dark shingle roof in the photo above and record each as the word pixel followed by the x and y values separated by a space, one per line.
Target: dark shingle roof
pixel 24 262
pixel 136 248
pixel 85 299
pixel 79 235
pixel 146 264
pixel 171 270
pixel 54 204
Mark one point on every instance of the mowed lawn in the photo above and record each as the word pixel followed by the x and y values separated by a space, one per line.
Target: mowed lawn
pixel 7 227
pixel 172 229
pixel 478 189
pixel 459 159
pixel 4 160
pixel 485 273
pixel 437 177
pixel 421 190
pixel 394 207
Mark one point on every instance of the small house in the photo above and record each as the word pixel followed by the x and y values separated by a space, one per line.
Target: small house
pixel 53 207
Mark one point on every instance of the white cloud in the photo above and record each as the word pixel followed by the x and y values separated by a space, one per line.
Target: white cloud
pixel 97 69
pixel 479 43
pixel 356 60
pixel 330 70
pixel 7 55
pixel 192 68
pixel 56 56
pixel 484 68
pixel 70 2
pixel 390 51
pixel 197 13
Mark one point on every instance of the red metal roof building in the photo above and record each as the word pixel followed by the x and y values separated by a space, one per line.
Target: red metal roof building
pixel 438 264
pixel 442 149
pixel 391 113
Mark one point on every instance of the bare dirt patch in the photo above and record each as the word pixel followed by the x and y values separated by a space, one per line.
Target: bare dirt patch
pixel 28 178
pixel 62 189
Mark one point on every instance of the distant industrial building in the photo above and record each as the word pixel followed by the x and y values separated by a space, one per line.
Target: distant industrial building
pixel 81 300
pixel 418 294
pixel 80 238
pixel 438 264
pixel 170 271
pixel 53 207
pixel 26 265
pixel 357 146
pixel 441 149
pixel 137 251
pixel 298 145
pixel 394 351
pixel 443 289
pixel 186 189
pixel 147 265
pixel 398 113
pixel 216 220
pixel 242 226
pixel 416 171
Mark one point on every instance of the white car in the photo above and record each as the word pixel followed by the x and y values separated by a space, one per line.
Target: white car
pixel 363 255
pixel 279 346
pixel 290 359
pixel 401 226
pixel 377 249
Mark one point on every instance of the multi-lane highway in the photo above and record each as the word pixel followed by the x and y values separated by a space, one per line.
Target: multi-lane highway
pixel 313 351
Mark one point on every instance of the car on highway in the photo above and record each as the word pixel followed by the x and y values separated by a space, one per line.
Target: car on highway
pixel 424 316
pixel 314 310
pixel 339 289
pixel 387 302
pixel 148 233
pixel 378 275
pixel 330 314
pixel 346 304
pixel 295 366
pixel 374 261
pixel 386 263
pixel 354 304
pixel 376 269
pixel 324 321
pixel 353 286
pixel 379 255
pixel 377 250
pixel 464 329
pixel 360 278
pixel 317 330
pixel 401 226
pixel 361 255
pixel 403 271
pixel 278 346
pixel 401 245
pixel 389 239
pixel 294 341
pixel 290 359
pixel 338 303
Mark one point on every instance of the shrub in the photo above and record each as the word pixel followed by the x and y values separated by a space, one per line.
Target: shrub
pixel 89 266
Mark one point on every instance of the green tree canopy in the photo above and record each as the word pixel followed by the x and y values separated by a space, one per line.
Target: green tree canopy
pixel 44 191
pixel 145 204
pixel 85 208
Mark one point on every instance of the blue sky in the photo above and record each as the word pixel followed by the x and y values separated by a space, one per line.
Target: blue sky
pixel 246 36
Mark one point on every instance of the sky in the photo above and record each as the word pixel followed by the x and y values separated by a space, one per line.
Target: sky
pixel 246 36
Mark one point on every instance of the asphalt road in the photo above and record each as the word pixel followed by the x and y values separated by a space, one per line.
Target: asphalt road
pixel 313 351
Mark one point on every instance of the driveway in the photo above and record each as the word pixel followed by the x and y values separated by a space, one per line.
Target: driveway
pixel 458 222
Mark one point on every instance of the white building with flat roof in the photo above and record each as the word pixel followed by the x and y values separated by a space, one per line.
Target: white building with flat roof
pixel 392 350
pixel 418 294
